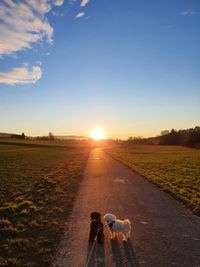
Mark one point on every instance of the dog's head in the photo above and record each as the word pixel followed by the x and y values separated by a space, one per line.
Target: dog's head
pixel 95 215
pixel 109 217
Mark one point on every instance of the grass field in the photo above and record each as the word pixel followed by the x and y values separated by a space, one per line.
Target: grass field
pixel 174 168
pixel 37 188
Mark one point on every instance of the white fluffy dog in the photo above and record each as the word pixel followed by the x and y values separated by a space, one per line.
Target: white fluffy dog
pixel 118 226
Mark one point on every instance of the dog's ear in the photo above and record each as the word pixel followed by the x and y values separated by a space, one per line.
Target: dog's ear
pixel 105 216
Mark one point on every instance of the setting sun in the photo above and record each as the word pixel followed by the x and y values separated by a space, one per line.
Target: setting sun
pixel 98 133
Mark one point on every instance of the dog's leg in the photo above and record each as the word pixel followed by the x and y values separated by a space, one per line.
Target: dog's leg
pixel 112 235
pixel 125 238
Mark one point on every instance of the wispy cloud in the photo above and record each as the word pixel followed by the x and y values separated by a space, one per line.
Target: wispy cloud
pixel 21 75
pixel 84 2
pixel 24 23
pixel 187 13
pixel 79 15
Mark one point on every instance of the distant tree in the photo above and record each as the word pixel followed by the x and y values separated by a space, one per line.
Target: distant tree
pixel 23 136
pixel 188 137
pixel 51 136
pixel 164 132
pixel 197 128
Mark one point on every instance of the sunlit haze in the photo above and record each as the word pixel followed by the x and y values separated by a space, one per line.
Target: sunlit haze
pixel 130 66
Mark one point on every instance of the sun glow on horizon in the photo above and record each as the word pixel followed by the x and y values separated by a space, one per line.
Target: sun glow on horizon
pixel 98 133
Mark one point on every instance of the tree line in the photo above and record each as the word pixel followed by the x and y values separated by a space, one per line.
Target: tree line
pixel 189 137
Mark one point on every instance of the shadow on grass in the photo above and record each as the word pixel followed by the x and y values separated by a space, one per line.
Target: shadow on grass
pixel 96 255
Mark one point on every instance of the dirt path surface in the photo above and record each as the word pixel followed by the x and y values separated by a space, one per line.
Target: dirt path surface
pixel 164 233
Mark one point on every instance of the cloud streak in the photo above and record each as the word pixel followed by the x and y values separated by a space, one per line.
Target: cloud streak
pixel 84 3
pixel 21 75
pixel 24 23
pixel 79 15
pixel 187 13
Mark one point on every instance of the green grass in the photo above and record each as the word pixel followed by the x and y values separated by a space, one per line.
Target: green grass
pixel 44 143
pixel 174 168
pixel 37 189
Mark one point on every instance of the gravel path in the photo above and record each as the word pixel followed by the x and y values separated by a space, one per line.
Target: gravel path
pixel 164 233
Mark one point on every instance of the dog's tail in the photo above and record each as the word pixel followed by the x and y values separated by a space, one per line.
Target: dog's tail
pixel 128 227
pixel 127 221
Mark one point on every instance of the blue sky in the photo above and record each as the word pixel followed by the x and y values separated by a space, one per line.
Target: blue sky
pixel 132 67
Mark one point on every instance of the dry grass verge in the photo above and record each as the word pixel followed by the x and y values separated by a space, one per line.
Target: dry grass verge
pixel 37 189
pixel 173 168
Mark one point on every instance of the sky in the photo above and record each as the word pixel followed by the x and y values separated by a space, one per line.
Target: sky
pixel 131 67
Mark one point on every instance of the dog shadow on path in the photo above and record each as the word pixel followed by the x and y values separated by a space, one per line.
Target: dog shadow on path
pixel 97 257
pixel 126 258
pixel 130 255
pixel 117 256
